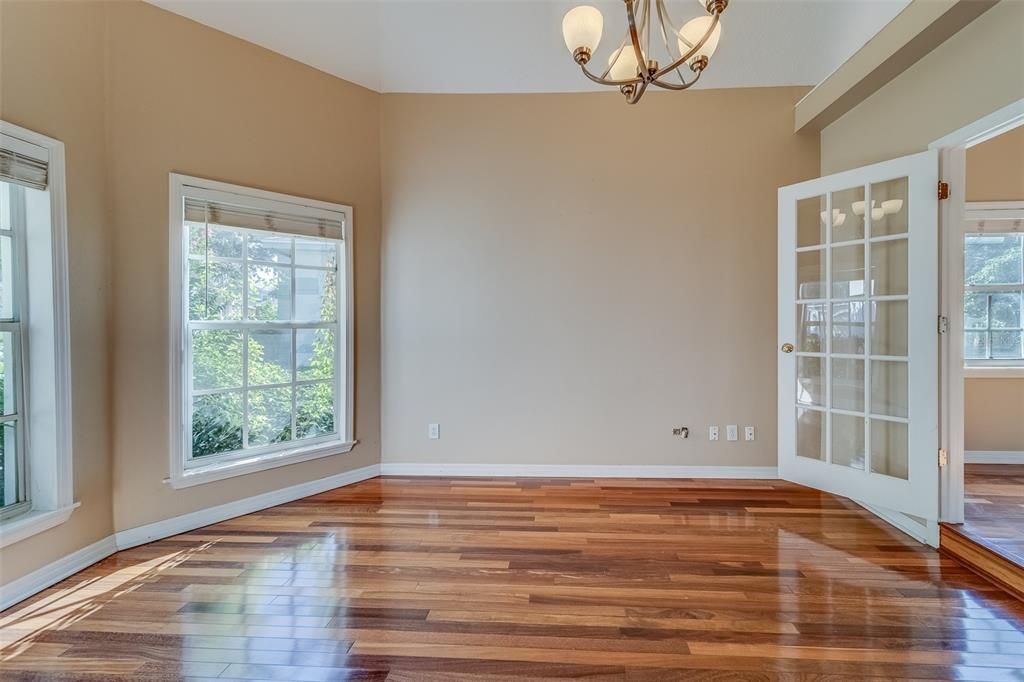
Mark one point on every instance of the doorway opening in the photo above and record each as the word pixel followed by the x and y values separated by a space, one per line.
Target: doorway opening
pixel 982 292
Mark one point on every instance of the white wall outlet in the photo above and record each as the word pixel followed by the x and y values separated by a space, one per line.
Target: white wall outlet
pixel 731 432
pixel 748 433
pixel 434 431
pixel 712 433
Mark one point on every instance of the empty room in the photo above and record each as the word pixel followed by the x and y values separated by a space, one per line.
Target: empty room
pixel 443 340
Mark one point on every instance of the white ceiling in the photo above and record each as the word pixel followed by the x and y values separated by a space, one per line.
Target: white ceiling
pixel 516 45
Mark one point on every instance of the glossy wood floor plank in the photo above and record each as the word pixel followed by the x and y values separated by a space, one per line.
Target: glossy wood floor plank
pixel 432 579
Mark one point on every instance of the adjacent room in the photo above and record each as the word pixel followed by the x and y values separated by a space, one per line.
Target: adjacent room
pixel 442 340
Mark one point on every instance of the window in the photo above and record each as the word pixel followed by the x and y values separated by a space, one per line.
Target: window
pixel 263 309
pixel 35 376
pixel 993 298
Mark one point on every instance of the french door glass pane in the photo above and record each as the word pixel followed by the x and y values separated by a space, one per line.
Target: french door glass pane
pixel 810 228
pixel 848 214
pixel 848 271
pixel 216 359
pixel 889 454
pixel 810 381
pixel 848 384
pixel 216 423
pixel 810 434
pixel 889 268
pixel 889 328
pixel 889 212
pixel 848 327
pixel 848 441
pixel 810 274
pixel 810 335
pixel 889 396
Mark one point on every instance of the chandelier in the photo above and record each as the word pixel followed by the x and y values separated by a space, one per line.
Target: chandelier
pixel 632 66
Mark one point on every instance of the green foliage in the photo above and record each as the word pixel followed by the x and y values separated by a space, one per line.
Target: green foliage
pixel 215 293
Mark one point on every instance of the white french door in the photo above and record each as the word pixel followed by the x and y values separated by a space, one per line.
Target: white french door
pixel 858 338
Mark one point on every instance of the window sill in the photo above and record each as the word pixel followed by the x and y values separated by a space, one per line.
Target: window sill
pixel 980 372
pixel 219 471
pixel 30 523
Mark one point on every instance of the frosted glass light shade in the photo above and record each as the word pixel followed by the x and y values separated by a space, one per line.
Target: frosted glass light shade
pixel 691 33
pixel 877 213
pixel 838 217
pixel 582 27
pixel 623 63
pixel 892 206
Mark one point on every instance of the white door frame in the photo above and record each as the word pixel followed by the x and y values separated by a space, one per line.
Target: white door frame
pixel 952 169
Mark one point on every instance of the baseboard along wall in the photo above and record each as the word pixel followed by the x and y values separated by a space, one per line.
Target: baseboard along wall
pixel 577 470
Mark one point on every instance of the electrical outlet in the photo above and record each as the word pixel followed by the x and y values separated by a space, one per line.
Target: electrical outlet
pixel 712 433
pixel 748 433
pixel 434 431
pixel 731 432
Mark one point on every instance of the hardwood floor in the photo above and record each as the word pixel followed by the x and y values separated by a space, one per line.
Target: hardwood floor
pixel 994 507
pixel 526 579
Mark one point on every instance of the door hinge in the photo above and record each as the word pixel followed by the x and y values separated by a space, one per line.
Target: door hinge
pixel 943 324
pixel 943 190
pixel 942 458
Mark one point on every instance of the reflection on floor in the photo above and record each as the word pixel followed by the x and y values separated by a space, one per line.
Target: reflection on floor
pixel 994 507
pixel 496 579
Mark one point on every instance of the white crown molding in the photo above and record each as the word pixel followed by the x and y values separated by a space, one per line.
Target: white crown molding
pixel 994 457
pixel 577 470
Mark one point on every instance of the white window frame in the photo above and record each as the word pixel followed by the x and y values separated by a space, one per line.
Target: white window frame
pixel 186 471
pixel 997 217
pixel 46 356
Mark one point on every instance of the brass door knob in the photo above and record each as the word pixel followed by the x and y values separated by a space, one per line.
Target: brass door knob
pixel 787 348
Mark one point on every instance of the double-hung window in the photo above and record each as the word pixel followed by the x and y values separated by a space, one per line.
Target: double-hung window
pixel 35 364
pixel 994 299
pixel 261 299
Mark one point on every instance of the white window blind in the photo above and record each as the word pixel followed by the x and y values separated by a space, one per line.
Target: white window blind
pixel 21 169
pixel 319 223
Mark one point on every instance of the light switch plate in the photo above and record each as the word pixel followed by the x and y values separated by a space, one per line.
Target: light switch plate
pixel 434 431
pixel 748 433
pixel 731 432
pixel 712 433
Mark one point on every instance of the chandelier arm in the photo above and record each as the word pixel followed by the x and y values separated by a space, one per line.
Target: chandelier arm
pixel 676 86
pixel 676 64
pixel 604 80
pixel 666 20
pixel 641 62
pixel 637 93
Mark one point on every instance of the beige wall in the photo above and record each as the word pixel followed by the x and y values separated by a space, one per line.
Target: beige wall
pixel 60 93
pixel 189 99
pixel 994 408
pixel 995 169
pixel 977 71
pixel 135 93
pixel 566 277
pixel 994 414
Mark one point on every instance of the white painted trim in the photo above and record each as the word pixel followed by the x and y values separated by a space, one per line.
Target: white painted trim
pixel 994 456
pixel 37 581
pixel 48 360
pixel 180 475
pixel 204 517
pixel 24 587
pixel 952 168
pixel 993 210
pixel 17 528
pixel 221 470
pixel 577 470
pixel 1002 372
pixel 927 533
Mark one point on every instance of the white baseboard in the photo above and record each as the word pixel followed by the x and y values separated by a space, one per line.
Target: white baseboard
pixel 994 456
pixel 37 581
pixel 24 587
pixel 140 535
pixel 576 470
